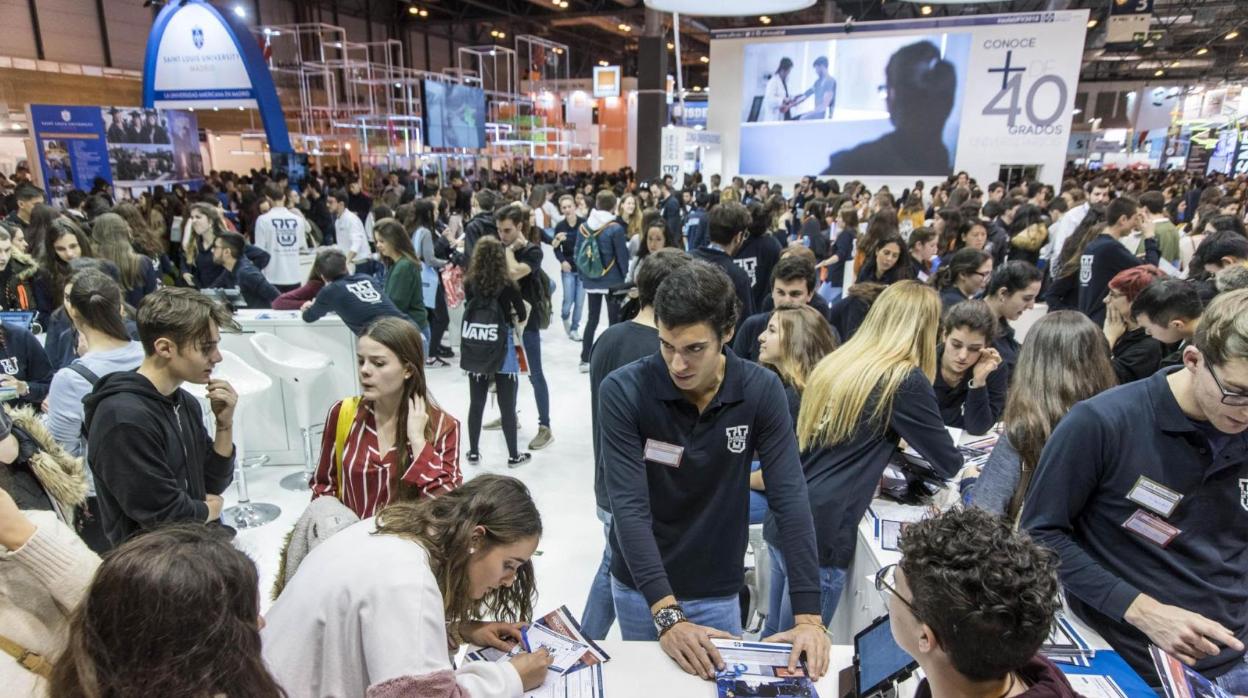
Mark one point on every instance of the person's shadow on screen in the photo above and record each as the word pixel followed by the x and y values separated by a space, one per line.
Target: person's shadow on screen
pixel 920 92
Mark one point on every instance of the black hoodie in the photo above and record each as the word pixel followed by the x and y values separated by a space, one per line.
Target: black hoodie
pixel 151 455
pixel 478 227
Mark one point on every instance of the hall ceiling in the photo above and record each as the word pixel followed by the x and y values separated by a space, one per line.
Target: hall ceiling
pixel 1192 47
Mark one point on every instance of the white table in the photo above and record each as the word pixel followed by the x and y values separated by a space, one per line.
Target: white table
pixel 271 427
pixel 642 670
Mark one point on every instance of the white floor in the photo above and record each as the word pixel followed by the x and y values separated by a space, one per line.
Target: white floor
pixel 559 476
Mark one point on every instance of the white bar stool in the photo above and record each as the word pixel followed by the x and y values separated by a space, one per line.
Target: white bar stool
pixel 247 382
pixel 298 368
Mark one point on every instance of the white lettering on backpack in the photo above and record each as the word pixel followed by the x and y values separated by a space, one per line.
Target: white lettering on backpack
pixel 480 332
pixel 365 291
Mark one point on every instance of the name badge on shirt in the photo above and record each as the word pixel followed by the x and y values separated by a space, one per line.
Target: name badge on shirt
pixel 664 453
pixel 1155 497
pixel 1154 529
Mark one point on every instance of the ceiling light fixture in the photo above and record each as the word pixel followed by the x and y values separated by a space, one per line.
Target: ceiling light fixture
pixel 1234 34
pixel 1202 50
pixel 240 11
pixel 626 27
pixel 1159 73
pixel 413 10
pixel 603 63
pixel 925 10
pixel 1092 23
pixel 670 46
pixel 765 19
pixel 705 59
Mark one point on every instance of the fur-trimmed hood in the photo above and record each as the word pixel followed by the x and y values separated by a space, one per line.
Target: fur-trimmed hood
pixel 25 268
pixel 63 476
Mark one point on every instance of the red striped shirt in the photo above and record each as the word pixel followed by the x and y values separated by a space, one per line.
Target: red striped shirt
pixel 366 473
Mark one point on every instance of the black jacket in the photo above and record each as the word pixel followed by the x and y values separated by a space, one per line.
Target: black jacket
pixel 478 227
pixel 250 281
pixel 1136 355
pixel 151 456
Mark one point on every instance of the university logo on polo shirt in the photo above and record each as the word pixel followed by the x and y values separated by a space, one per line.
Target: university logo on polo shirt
pixel 736 437
pixel 365 291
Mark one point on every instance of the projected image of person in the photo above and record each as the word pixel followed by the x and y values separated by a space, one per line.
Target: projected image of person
pixel 776 100
pixel 823 90
pixel 461 119
pixel 919 90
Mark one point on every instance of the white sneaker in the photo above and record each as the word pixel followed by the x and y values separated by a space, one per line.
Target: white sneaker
pixel 584 367
pixel 567 326
pixel 574 336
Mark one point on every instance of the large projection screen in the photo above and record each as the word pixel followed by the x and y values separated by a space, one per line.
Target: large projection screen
pixel 891 102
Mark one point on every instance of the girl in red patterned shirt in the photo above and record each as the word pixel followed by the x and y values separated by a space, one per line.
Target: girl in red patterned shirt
pixel 392 442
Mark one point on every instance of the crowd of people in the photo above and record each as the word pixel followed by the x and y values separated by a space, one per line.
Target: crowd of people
pixel 765 354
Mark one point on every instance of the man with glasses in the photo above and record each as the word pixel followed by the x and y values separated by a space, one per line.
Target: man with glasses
pixel 972 601
pixel 1143 492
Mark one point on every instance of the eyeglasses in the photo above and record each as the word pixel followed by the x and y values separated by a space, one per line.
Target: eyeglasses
pixel 886 584
pixel 1228 398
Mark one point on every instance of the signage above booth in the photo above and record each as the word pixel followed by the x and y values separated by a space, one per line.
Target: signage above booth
pixel 199 57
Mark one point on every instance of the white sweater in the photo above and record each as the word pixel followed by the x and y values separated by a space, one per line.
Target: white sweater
pixel 40 585
pixel 363 609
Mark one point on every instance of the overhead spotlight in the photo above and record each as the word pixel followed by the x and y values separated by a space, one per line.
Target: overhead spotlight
pixel 398 84
pixel 1159 73
pixel 558 51
pixel 153 3
pixel 697 88
pixel 240 11
pixel 705 59
pixel 670 46
pixel 502 35
pixel 603 63
pixel 925 10
pixel 1092 23
pixel 413 10
pixel 1234 34
pixel 424 12
pixel 1202 50
pixel 765 19
pixel 626 27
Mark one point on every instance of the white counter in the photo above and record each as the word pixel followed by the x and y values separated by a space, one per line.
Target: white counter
pixel 271 426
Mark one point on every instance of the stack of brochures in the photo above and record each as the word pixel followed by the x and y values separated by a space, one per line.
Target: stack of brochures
pixel 576 669
pixel 760 669
pixel 1181 681
pixel 1065 645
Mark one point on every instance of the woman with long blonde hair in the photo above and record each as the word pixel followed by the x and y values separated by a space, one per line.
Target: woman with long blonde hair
pixel 632 216
pixel 859 402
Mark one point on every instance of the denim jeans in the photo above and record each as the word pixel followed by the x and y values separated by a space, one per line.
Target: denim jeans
pixel 758 500
pixel 599 612
pixel 541 394
pixel 1235 681
pixel 573 297
pixel 637 623
pixel 780 608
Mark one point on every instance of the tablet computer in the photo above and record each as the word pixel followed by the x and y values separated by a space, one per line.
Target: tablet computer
pixel 878 660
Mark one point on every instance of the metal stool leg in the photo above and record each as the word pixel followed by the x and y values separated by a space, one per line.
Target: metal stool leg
pixel 298 482
pixel 246 514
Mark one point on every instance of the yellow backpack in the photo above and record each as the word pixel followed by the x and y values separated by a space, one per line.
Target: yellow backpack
pixel 342 429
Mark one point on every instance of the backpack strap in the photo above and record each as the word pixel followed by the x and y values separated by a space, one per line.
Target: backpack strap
pixel 78 367
pixel 28 659
pixel 342 429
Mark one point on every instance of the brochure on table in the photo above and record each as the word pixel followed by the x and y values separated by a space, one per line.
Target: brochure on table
pixel 760 669
pixel 576 671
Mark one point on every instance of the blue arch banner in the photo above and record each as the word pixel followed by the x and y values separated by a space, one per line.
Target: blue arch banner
pixel 200 57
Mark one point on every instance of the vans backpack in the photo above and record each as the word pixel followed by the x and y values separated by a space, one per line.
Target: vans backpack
pixel 483 336
pixel 589 254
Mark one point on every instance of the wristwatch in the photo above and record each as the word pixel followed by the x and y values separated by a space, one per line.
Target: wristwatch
pixel 668 617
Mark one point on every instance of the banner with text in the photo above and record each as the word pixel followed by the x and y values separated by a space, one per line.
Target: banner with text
pixel 903 99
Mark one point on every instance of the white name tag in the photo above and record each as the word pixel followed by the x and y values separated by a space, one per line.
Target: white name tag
pixel 664 453
pixel 1145 524
pixel 1155 497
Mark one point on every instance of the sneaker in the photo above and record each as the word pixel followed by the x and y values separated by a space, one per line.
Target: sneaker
pixel 567 325
pixel 574 336
pixel 542 440
pixel 474 458
pixel 584 367
pixel 444 352
pixel 435 362
pixel 519 460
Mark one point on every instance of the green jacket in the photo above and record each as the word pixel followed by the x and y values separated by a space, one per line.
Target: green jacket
pixel 1167 241
pixel 403 288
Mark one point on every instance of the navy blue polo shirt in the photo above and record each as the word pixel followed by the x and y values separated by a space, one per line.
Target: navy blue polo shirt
pixel 1078 505
pixel 681 528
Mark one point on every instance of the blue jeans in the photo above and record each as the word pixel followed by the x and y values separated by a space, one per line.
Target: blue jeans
pixel 573 297
pixel 637 623
pixel 599 612
pixel 780 608
pixel 541 394
pixel 1235 681
pixel 758 500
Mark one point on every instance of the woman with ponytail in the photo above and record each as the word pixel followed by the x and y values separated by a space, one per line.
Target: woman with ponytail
pixel 380 607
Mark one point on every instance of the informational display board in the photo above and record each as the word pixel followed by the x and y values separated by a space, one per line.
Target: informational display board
pixel 607 81
pixel 127 146
pixel 898 100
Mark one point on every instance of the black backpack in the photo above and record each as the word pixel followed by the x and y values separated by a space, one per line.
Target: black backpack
pixel 483 336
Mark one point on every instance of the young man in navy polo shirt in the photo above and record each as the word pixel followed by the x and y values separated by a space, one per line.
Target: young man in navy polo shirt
pixel 1143 492
pixel 678 430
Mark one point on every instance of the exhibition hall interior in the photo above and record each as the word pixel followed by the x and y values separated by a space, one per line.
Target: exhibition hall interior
pixel 503 348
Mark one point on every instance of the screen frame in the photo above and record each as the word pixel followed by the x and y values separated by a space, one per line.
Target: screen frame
pixel 899 675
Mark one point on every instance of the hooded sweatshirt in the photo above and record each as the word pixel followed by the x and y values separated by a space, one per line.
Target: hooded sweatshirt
pixel 151 456
pixel 1043 679
pixel 65 411
pixel 612 245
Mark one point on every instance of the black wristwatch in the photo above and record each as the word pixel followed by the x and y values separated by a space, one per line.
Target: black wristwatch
pixel 668 617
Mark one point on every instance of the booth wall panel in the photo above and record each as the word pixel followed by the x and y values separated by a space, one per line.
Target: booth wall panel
pixel 129 24
pixel 19 38
pixel 71 31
